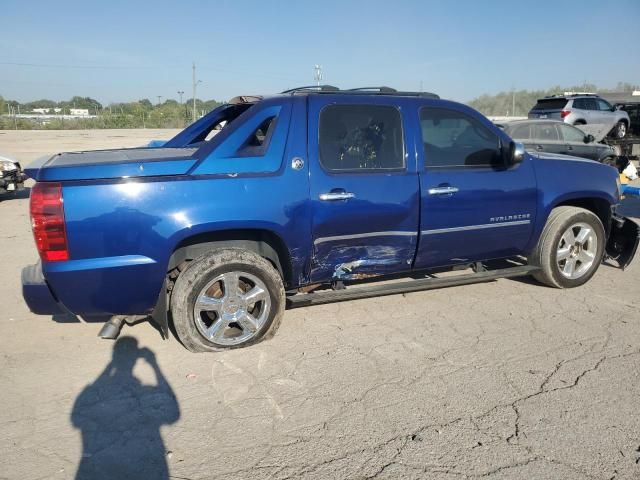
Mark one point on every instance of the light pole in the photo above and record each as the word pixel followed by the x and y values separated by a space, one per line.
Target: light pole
pixel 195 84
pixel 180 92
pixel 159 98
pixel 317 74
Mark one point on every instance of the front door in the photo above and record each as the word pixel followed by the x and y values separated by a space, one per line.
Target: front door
pixel 474 206
pixel 574 140
pixel 364 191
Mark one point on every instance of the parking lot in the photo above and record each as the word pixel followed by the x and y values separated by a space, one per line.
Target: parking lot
pixel 507 379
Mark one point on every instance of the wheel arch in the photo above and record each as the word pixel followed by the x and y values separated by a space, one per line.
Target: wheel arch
pixel 265 243
pixel 598 206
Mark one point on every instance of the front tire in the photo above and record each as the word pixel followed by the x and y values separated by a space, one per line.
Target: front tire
pixel 570 248
pixel 227 299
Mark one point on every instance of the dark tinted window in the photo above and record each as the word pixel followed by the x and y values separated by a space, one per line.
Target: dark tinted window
pixel 580 104
pixel 544 131
pixel 590 103
pixel 361 137
pixel 550 104
pixel 454 139
pixel 521 132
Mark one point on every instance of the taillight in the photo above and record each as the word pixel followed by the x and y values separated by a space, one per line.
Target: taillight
pixel 47 221
pixel 564 113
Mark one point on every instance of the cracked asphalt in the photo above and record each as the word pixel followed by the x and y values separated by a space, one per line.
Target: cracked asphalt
pixel 507 379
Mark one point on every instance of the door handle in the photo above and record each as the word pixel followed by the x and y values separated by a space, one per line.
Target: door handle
pixel 442 190
pixel 333 196
pixel 569 147
pixel 539 147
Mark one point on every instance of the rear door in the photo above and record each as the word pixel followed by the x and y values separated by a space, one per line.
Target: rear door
pixel 592 113
pixel 545 138
pixel 474 207
pixel 364 191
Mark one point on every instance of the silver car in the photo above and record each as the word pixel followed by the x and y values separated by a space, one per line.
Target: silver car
pixel 582 109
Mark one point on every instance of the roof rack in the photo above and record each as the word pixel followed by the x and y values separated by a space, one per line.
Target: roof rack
pixel 373 89
pixel 573 94
pixel 313 88
pixel 359 91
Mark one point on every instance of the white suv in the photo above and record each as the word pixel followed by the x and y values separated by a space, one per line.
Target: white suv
pixel 582 109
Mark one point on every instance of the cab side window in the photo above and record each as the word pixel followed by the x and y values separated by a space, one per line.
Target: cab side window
pixel 361 137
pixel 454 139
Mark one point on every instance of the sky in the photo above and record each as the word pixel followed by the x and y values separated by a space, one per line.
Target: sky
pixel 127 50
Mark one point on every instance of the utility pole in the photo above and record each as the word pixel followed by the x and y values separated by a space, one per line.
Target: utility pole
pixel 195 84
pixel 180 92
pixel 513 103
pixel 317 74
pixel 159 98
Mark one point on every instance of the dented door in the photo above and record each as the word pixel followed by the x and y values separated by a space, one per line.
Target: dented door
pixel 364 190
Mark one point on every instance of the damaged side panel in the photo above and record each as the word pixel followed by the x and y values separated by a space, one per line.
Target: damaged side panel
pixel 623 241
pixel 350 261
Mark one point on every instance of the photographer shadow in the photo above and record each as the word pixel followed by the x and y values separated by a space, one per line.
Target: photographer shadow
pixel 120 418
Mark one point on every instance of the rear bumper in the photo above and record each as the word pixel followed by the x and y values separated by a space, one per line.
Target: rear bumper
pixel 36 292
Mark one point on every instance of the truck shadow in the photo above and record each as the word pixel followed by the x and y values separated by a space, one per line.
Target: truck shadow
pixel 120 418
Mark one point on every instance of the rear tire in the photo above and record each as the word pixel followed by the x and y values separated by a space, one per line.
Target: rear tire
pixel 227 299
pixel 570 248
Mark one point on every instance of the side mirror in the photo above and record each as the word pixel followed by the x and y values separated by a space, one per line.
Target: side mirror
pixel 589 138
pixel 516 150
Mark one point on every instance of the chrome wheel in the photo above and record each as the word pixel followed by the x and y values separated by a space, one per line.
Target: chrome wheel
pixel 577 250
pixel 621 131
pixel 232 308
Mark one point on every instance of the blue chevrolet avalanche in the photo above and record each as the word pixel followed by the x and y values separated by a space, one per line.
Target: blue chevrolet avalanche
pixel 306 197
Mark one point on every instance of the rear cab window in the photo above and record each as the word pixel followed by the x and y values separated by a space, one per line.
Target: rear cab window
pixel 361 138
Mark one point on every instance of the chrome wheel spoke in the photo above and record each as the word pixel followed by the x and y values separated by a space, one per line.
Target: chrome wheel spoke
pixel 216 331
pixel 569 267
pixel 568 237
pixel 206 303
pixel 563 253
pixel 586 257
pixel 254 295
pixel 231 283
pixel 583 235
pixel 247 322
